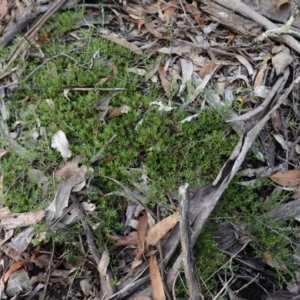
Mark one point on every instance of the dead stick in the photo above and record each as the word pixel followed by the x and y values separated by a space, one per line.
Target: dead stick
pixel 186 244
pixel 105 284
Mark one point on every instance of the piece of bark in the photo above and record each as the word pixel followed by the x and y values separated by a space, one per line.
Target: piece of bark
pixel 231 20
pixel 285 210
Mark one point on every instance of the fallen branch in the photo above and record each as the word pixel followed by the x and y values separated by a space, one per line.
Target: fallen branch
pixel 248 12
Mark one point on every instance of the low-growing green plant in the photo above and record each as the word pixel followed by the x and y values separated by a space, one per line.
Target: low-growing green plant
pixel 145 149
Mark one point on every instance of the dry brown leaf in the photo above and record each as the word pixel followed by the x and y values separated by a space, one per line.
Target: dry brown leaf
pixel 62 273
pixel 163 77
pixel 156 281
pixel 277 121
pixel 70 168
pixel 161 229
pixel 135 263
pixel 114 68
pixel 197 15
pixel 118 111
pixel 141 239
pixel 141 233
pixel 296 195
pixel 152 30
pixel 13 253
pixel 122 42
pixel 168 14
pixel 280 2
pixel 135 11
pixel 16 266
pixel 260 76
pixel 287 178
pixel 130 239
pixel 42 261
pixel 207 69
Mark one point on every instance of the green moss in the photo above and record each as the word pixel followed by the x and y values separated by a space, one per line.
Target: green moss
pixel 147 141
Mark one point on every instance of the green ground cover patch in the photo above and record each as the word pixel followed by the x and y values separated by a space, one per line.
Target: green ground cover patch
pixel 145 149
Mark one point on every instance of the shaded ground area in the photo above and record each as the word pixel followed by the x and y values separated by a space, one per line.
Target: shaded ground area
pixel 148 151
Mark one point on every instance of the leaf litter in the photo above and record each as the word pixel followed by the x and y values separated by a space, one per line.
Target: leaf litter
pixel 199 62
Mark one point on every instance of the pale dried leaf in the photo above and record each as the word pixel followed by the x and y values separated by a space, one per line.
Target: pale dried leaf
pixel 186 71
pixel 18 281
pixel 246 63
pixel 190 118
pixel 261 91
pixel 138 71
pixel 86 287
pixel 37 176
pixel 180 50
pixel 281 60
pixel 132 223
pixel 55 209
pixel 22 240
pixel 88 207
pixel 78 187
pixel 65 93
pixel 70 217
pixel 161 106
pixel 104 262
pixel 61 144
pixel 279 138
